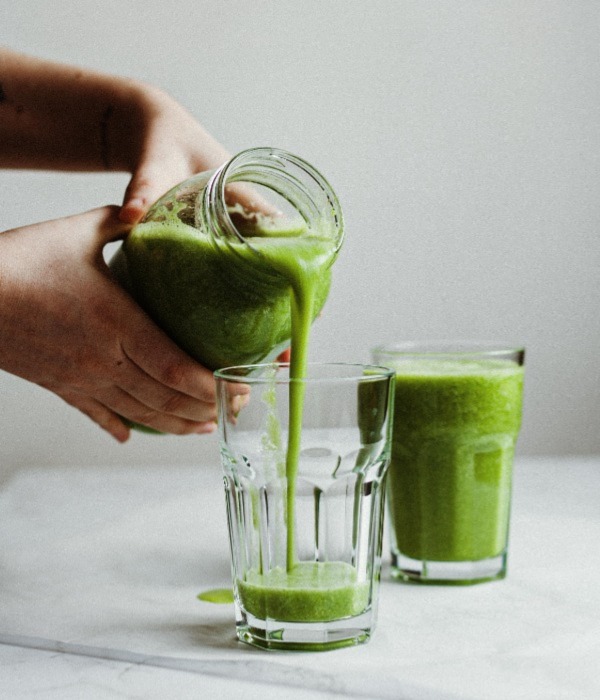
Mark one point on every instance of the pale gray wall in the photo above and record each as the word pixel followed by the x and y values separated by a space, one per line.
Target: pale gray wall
pixel 461 136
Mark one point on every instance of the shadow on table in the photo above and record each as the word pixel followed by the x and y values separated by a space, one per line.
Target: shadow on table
pixel 187 637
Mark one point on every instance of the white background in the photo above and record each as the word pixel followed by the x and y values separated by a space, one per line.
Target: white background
pixel 461 136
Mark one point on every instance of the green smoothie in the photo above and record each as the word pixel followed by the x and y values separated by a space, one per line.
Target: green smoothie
pixel 455 427
pixel 309 592
pixel 223 303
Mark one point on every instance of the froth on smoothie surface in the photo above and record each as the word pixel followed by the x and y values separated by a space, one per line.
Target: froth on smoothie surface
pixel 455 367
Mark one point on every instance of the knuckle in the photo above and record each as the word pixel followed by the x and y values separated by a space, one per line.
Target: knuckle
pixel 182 406
pixel 174 375
pixel 90 367
pixel 158 421
pixel 209 392
pixel 81 374
pixel 143 179
pixel 146 417
pixel 173 404
pixel 110 211
pixel 102 310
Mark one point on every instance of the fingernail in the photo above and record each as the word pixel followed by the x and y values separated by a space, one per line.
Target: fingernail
pixel 131 211
pixel 206 428
pixel 240 389
pixel 135 203
pixel 120 435
pixel 238 402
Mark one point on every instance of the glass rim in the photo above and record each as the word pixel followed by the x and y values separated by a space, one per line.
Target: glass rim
pixel 449 347
pixel 235 373
pixel 274 160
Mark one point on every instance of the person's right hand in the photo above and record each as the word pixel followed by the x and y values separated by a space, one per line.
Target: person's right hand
pixel 68 326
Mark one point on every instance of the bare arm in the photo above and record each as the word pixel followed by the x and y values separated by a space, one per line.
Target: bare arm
pixel 60 117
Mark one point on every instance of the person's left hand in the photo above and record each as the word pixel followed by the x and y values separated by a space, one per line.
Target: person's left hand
pixel 68 326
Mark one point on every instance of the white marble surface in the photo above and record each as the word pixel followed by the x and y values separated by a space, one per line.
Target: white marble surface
pixel 99 571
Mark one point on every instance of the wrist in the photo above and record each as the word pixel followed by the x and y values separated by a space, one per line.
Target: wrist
pixel 123 123
pixel 138 107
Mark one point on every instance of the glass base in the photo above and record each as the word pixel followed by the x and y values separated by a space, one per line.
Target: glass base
pixel 304 636
pixel 457 573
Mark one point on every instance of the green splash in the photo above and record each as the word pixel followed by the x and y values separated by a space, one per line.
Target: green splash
pixel 221 596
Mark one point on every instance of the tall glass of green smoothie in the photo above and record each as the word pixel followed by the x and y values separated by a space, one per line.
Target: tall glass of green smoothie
pixel 304 466
pixel 457 416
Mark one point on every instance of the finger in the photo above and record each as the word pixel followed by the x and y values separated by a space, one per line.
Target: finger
pixel 103 222
pixel 168 364
pixel 119 405
pixel 139 195
pixel 285 356
pixel 129 407
pixel 108 225
pixel 155 370
pixel 163 399
pixel 235 406
pixel 149 182
pixel 249 199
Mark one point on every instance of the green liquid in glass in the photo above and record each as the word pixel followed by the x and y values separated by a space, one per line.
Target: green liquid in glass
pixel 309 592
pixel 220 302
pixel 455 427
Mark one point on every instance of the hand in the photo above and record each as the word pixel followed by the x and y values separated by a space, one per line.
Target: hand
pixel 172 146
pixel 69 327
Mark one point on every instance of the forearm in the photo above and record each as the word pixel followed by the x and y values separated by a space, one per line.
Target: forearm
pixel 59 117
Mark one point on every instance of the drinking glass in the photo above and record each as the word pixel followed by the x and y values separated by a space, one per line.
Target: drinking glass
pixel 456 420
pixel 304 464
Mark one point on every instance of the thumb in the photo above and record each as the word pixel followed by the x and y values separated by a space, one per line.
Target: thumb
pixel 144 188
pixel 102 226
pixel 107 224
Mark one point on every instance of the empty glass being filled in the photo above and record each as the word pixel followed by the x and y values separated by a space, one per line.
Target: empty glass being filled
pixel 304 465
